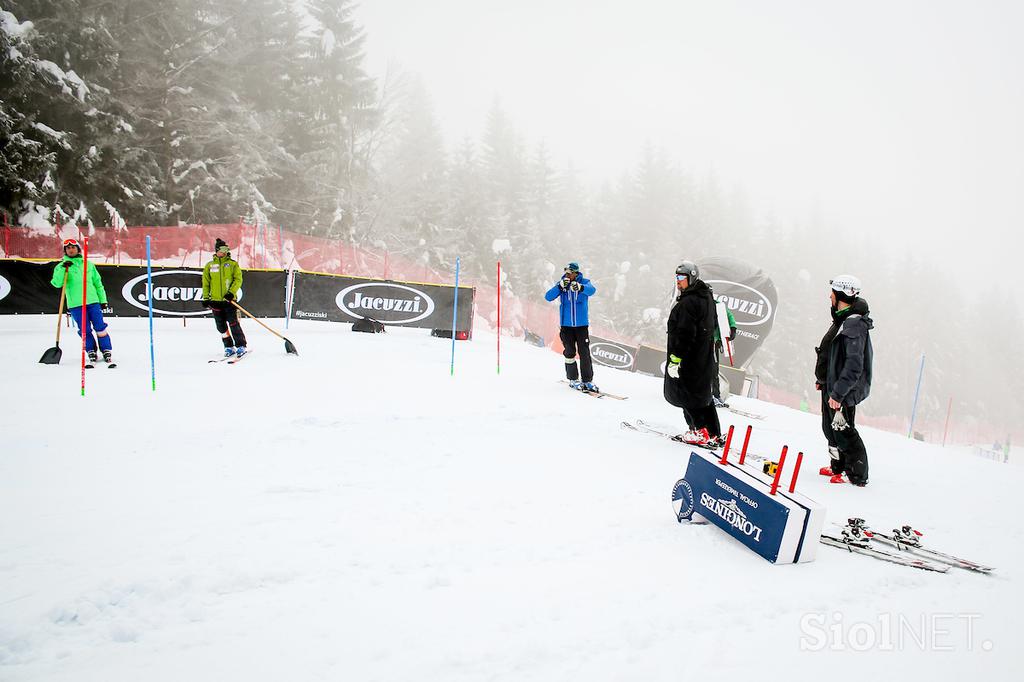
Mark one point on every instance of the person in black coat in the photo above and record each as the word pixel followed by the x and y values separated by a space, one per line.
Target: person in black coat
pixel 691 365
pixel 843 375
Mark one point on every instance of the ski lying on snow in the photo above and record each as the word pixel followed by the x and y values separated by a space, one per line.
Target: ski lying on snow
pixel 239 358
pixel 744 413
pixel 596 394
pixel 901 559
pixel 641 426
pixel 927 553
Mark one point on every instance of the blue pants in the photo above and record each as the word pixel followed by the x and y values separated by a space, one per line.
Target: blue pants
pixel 93 320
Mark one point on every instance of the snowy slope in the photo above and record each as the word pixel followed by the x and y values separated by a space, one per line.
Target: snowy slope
pixel 357 513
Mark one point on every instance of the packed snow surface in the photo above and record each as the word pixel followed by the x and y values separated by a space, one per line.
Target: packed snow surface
pixel 356 513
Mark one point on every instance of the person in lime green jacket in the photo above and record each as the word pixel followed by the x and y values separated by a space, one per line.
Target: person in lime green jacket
pixel 222 278
pixel 95 299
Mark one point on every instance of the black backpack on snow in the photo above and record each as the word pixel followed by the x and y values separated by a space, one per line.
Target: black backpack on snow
pixel 368 325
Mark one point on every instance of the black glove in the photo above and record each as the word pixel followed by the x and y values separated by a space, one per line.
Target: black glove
pixel 718 347
pixel 576 286
pixel 564 283
pixel 732 333
pixel 66 264
pixel 229 296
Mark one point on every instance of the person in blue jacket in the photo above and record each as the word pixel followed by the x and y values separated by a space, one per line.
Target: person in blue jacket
pixel 573 292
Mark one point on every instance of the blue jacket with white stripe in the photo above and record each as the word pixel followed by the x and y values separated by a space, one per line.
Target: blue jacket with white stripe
pixel 572 305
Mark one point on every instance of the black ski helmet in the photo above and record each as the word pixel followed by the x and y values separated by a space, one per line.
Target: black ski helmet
pixel 690 269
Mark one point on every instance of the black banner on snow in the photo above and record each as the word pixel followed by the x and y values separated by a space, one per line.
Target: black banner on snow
pixel 612 354
pixel 409 304
pixel 25 288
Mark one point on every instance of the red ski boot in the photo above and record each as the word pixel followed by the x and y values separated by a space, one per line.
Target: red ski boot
pixel 826 471
pixel 838 478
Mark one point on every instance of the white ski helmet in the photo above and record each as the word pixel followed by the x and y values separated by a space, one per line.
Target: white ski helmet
pixel 846 284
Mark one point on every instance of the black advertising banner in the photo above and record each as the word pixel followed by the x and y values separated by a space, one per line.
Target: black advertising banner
pixel 408 304
pixel 651 360
pixel 176 291
pixel 25 288
pixel 751 296
pixel 612 353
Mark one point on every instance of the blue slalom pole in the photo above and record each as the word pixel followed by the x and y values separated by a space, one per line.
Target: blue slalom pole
pixel 149 297
pixel 917 393
pixel 455 313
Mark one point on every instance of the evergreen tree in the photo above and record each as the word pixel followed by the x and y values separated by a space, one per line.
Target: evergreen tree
pixel 337 102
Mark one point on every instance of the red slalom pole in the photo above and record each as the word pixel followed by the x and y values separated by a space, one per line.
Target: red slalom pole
pixel 728 442
pixel 778 470
pixel 945 431
pixel 746 441
pixel 85 291
pixel 796 471
pixel 499 316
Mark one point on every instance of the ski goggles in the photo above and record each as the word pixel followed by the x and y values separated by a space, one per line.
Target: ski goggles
pixel 680 278
pixel 71 242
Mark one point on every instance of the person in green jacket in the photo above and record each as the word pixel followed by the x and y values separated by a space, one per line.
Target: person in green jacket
pixel 95 299
pixel 222 278
pixel 716 386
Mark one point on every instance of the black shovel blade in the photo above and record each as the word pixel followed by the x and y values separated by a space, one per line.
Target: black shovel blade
pixel 51 356
pixel 289 347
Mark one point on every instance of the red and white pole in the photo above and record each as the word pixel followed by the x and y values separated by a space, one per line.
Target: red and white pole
pixel 728 442
pixel 945 431
pixel 746 441
pixel 499 317
pixel 796 471
pixel 84 324
pixel 778 470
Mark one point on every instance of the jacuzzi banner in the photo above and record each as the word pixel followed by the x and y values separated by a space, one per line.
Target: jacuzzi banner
pixel 177 292
pixel 751 296
pixel 612 353
pixel 25 288
pixel 408 304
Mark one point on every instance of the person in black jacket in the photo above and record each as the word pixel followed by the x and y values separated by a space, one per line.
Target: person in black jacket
pixel 691 365
pixel 843 375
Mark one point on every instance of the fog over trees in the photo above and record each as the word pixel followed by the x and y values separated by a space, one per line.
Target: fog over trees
pixel 186 111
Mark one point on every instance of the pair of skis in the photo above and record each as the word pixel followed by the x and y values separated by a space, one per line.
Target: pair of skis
pixel 902 546
pixel 230 359
pixel 595 394
pixel 640 426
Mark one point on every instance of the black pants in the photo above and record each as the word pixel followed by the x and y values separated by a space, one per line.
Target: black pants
pixel 577 340
pixel 225 316
pixel 703 418
pixel 853 456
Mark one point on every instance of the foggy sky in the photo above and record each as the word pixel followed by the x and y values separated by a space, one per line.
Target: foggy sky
pixel 900 119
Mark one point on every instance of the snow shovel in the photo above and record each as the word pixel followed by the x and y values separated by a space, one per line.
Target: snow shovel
pixel 51 356
pixel 289 347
